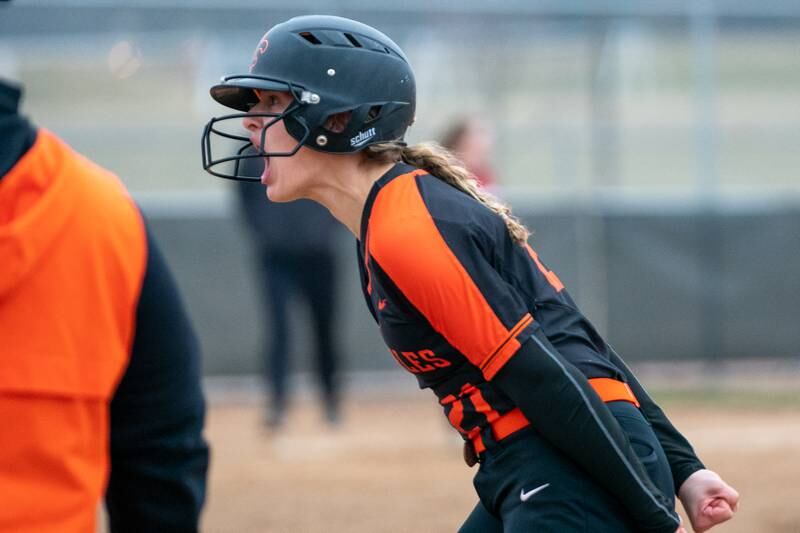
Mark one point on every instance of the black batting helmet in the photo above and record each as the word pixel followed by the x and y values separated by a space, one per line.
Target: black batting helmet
pixel 329 65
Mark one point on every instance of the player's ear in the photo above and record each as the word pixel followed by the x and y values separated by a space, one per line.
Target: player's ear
pixel 338 122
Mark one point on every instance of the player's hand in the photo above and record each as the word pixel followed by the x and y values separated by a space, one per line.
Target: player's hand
pixel 708 500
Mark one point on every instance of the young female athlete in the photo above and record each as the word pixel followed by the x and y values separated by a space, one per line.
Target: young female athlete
pixel 566 437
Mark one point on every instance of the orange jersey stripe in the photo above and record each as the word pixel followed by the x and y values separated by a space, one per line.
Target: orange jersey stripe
pixel 495 362
pixel 608 389
pixel 612 390
pixel 456 415
pixel 406 243
pixel 482 406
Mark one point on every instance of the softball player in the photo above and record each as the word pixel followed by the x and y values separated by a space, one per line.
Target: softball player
pixel 567 439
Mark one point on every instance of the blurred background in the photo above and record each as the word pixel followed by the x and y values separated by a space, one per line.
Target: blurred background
pixel 653 147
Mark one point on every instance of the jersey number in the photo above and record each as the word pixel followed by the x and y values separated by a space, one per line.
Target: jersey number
pixel 549 274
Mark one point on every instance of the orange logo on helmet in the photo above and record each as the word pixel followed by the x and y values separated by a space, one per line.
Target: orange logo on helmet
pixel 260 51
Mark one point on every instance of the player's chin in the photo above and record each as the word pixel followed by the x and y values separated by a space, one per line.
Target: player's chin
pixel 274 194
pixel 277 193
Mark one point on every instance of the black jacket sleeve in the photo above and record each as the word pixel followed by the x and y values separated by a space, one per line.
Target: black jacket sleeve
pixel 159 458
pixel 17 133
pixel 559 402
pixel 683 462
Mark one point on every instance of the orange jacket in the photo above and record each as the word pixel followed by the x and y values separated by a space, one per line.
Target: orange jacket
pixel 72 260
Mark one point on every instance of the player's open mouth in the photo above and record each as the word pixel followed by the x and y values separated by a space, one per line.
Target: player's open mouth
pixel 265 173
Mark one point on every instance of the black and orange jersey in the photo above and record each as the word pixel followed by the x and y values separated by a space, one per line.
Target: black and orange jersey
pixel 455 296
pixel 482 322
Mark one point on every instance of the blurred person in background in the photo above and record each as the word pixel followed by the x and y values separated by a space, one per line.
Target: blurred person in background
pixel 99 366
pixel 566 437
pixel 471 141
pixel 294 245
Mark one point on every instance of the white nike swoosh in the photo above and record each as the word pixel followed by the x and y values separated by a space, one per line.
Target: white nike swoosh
pixel 524 496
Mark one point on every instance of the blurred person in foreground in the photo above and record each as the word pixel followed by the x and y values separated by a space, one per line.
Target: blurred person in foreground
pixel 99 367
pixel 471 141
pixel 294 245
pixel 567 438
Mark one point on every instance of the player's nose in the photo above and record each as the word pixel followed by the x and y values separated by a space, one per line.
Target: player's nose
pixel 253 125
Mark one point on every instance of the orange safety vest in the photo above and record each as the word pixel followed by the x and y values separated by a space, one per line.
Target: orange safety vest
pixel 73 255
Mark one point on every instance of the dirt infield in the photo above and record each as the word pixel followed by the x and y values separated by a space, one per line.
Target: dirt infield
pixel 393 465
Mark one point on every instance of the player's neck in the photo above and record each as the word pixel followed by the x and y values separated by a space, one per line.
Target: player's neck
pixel 345 190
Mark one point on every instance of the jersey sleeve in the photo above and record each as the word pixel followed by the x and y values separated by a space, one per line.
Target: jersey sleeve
pixel 441 267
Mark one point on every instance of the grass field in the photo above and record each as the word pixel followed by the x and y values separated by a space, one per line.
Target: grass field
pixel 393 465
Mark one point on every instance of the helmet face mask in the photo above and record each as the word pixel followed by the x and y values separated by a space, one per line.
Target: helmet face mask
pixel 247 150
pixel 329 65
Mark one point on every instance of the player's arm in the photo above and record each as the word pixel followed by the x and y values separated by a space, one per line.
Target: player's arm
pixel 682 460
pixel 706 498
pixel 159 458
pixel 561 405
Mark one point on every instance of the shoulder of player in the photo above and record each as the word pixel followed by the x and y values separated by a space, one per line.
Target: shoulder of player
pixel 423 196
pixel 398 236
pixel 444 201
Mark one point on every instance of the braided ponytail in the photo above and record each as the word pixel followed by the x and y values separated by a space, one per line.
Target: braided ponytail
pixel 440 163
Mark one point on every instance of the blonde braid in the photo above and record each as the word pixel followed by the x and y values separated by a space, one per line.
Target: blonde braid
pixel 439 162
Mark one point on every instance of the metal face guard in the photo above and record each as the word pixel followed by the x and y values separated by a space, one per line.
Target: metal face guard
pixel 213 130
pixel 209 161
